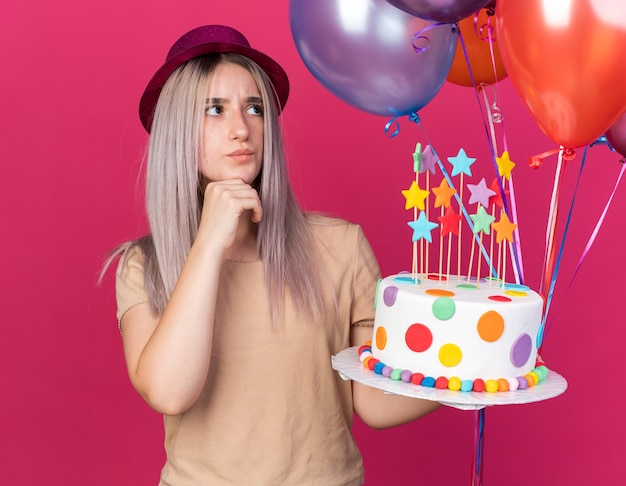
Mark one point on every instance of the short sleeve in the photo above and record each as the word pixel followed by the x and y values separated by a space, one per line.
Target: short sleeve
pixel 366 276
pixel 129 281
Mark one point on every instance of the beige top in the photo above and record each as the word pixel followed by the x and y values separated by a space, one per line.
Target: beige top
pixel 273 411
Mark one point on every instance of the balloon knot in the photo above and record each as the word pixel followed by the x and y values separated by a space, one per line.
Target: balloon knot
pixel 569 154
pixel 535 162
pixel 414 117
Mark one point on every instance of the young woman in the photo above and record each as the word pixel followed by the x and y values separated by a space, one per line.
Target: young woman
pixel 232 306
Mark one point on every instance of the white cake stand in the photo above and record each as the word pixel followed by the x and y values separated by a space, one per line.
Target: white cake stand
pixel 349 366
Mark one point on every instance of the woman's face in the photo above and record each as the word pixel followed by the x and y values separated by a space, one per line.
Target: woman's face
pixel 233 126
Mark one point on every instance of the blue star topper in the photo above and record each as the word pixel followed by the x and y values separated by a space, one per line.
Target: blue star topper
pixel 422 228
pixel 461 163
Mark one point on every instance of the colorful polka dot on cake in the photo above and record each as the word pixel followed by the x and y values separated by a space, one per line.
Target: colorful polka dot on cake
pixel 381 337
pixel 515 293
pixel 521 349
pixel 499 298
pixel 490 326
pixel 444 308
pixel 418 338
pixel 450 355
pixel 439 292
pixel 389 295
pixel 517 287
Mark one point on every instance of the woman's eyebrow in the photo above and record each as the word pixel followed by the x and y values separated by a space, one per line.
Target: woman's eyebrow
pixel 221 101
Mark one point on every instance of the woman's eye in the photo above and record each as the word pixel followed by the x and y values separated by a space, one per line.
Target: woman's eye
pixel 255 110
pixel 214 110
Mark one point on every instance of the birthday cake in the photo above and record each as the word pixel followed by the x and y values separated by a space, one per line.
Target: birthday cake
pixel 448 331
pixel 458 334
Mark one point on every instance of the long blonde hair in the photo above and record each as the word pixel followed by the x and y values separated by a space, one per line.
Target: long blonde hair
pixel 174 198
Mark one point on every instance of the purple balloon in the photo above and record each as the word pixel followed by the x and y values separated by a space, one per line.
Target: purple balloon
pixel 616 135
pixel 440 10
pixel 362 52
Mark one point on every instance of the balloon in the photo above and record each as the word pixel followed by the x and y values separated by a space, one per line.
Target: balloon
pixel 616 135
pixel 475 36
pixel 362 51
pixel 566 59
pixel 440 10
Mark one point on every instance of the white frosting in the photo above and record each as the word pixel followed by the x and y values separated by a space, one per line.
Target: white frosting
pixel 503 345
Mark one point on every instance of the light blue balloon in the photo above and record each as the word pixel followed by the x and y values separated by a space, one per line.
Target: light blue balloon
pixel 363 52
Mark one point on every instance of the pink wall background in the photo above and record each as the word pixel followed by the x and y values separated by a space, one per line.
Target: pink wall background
pixel 70 150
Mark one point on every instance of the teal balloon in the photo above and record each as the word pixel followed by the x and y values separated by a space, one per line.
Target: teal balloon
pixel 363 52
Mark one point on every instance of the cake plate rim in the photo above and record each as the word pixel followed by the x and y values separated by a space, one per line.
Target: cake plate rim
pixel 349 367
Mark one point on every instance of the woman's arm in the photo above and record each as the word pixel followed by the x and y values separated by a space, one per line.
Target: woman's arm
pixel 168 356
pixel 381 410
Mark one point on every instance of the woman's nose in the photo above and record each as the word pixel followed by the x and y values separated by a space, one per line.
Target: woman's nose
pixel 239 127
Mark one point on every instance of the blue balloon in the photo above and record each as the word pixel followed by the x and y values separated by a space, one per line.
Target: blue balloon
pixel 364 52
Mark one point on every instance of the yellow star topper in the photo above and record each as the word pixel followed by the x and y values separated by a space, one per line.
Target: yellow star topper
pixel 415 197
pixel 443 193
pixel 505 165
pixel 504 229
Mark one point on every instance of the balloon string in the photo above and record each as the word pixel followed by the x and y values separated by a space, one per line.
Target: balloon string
pixel 479 442
pixel 492 51
pixel 480 33
pixel 419 35
pixel 490 131
pixel 515 249
pixel 557 267
pixel 553 217
pixel 536 161
pixel 592 238
pixel 413 117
